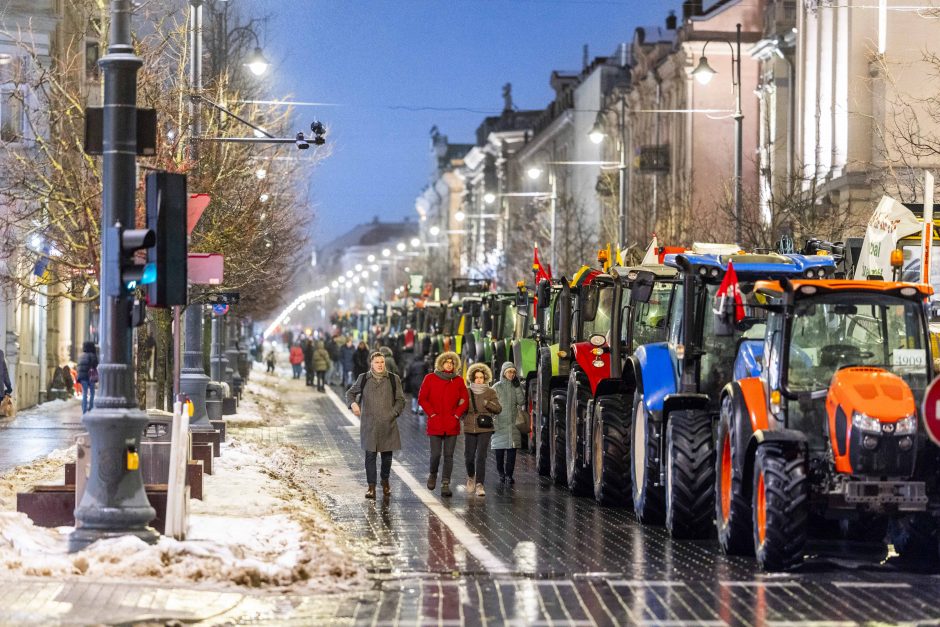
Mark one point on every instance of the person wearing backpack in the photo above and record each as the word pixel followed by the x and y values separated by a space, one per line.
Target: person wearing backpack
pixel 88 375
pixel 377 399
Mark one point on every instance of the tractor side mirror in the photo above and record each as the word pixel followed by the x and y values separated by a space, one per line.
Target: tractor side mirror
pixel 543 293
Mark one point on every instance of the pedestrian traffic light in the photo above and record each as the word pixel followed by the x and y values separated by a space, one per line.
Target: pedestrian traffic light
pixel 127 273
pixel 167 218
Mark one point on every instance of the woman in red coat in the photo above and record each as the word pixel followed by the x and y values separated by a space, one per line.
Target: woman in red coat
pixel 443 397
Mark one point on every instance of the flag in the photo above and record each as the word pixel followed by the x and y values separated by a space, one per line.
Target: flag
pixel 541 271
pixel 730 288
pixel 651 258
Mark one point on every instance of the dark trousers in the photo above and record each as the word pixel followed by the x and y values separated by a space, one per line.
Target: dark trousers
pixel 509 466
pixel 309 373
pixel 476 447
pixel 321 380
pixel 443 444
pixel 371 457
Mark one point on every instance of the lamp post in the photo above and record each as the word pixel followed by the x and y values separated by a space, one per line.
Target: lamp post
pixel 597 135
pixel 114 502
pixel 534 173
pixel 703 73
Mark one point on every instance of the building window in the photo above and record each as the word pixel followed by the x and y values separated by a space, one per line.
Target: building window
pixel 11 114
pixel 92 54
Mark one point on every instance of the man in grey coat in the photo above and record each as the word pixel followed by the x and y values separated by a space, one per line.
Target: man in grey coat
pixel 377 399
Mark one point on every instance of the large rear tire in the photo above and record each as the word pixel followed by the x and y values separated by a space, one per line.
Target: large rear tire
pixel 780 505
pixel 690 474
pixel 579 473
pixel 557 418
pixel 649 498
pixel 611 451
pixel 732 506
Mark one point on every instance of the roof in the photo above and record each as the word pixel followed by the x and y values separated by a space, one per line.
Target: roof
pixel 750 263
pixel 661 271
pixel 809 287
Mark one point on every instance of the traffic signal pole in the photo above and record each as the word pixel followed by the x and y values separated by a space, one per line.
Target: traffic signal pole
pixel 114 502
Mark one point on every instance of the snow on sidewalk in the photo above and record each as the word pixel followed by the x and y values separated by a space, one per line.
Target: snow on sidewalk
pixel 258 527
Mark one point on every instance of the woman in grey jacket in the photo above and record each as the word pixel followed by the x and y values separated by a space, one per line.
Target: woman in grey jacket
pixel 484 404
pixel 377 398
pixel 506 437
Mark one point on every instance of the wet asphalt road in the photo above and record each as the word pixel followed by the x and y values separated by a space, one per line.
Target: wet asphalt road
pixel 533 554
pixel 38 431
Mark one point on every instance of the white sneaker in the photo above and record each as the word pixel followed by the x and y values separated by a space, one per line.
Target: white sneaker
pixel 480 490
pixel 471 485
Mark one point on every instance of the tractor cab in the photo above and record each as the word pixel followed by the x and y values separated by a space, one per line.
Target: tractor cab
pixel 846 367
pixel 714 316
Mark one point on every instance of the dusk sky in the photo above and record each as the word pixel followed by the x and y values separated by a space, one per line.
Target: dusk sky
pixel 398 67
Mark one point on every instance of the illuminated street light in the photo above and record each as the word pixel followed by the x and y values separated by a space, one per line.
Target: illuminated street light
pixel 386 252
pixel 256 62
pixel 358 267
pixel 597 133
pixel 370 258
pixel 534 172
pixel 434 231
pixel 349 274
pixel 489 198
pixel 703 72
pixel 400 247
pixel 460 216
pixel 415 242
pixel 261 174
pixel 264 197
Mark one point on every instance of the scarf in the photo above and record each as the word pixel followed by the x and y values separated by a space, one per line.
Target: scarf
pixel 379 375
pixel 479 388
pixel 447 376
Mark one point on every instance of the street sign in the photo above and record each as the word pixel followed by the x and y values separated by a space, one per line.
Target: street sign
pixel 219 310
pixel 930 409
pixel 205 268
pixel 223 298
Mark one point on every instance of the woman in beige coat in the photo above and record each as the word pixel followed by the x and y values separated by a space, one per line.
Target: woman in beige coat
pixel 478 425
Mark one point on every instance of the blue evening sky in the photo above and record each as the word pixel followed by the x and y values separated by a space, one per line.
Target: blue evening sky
pixel 398 67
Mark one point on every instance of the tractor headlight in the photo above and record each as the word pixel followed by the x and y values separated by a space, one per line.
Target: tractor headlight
pixel 906 426
pixel 866 423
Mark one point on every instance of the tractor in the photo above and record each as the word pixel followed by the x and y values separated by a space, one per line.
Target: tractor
pixel 598 427
pixel 677 385
pixel 829 429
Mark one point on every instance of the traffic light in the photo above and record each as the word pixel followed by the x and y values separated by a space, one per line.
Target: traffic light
pixel 167 218
pixel 122 246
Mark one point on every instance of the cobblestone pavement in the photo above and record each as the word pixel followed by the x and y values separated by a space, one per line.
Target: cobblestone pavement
pixel 533 554
pixel 529 554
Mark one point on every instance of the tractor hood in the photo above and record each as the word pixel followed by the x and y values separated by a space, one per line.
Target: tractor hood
pixel 872 391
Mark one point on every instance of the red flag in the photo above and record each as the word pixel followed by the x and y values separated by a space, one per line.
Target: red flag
pixel 541 271
pixel 730 288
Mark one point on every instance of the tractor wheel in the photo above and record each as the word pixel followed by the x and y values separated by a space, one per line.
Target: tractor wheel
pixel 649 499
pixel 780 504
pixel 528 439
pixel 690 474
pixel 540 429
pixel 579 473
pixel 914 536
pixel 732 507
pixel 611 447
pixel 557 417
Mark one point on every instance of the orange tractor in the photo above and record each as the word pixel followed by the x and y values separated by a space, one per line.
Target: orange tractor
pixel 830 428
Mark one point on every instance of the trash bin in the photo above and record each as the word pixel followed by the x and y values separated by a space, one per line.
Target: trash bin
pixel 155 447
pixel 214 400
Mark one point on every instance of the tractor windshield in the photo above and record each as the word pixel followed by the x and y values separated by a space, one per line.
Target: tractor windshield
pixel 834 331
pixel 508 322
pixel 720 341
pixel 650 317
pixel 598 305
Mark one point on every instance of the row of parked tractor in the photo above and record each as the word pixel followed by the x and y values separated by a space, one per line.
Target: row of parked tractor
pixel 752 397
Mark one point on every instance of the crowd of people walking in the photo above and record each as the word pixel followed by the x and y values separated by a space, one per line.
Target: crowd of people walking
pixel 488 413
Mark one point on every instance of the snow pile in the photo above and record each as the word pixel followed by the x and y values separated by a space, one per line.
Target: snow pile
pixel 46 470
pixel 261 406
pixel 258 527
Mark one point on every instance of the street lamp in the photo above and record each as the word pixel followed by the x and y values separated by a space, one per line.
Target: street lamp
pixel 434 231
pixel 460 216
pixel 400 247
pixel 489 198
pixel 597 133
pixel 256 62
pixel 703 73
pixel 415 242
pixel 534 172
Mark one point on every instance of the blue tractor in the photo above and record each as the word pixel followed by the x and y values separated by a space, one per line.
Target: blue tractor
pixel 678 382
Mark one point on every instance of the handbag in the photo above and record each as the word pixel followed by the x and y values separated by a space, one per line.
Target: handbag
pixel 484 421
pixel 522 422
pixel 93 375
